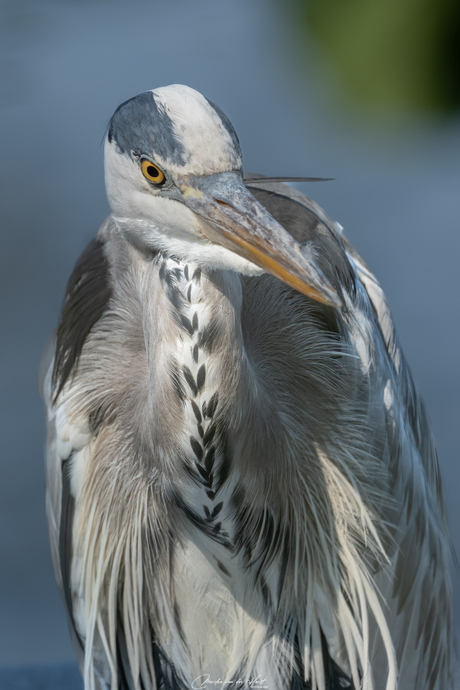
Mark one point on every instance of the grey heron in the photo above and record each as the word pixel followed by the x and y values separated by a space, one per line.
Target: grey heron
pixel 242 484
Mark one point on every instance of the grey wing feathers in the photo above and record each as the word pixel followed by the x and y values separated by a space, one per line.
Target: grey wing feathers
pixel 416 585
pixel 87 297
pixel 343 266
pixel 59 508
pixel 65 555
pixel 87 302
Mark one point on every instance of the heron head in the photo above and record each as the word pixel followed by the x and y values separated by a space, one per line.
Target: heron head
pixel 174 181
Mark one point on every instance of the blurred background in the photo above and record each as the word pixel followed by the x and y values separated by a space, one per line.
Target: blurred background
pixel 365 92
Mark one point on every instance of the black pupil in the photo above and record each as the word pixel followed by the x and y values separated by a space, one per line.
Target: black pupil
pixel 153 172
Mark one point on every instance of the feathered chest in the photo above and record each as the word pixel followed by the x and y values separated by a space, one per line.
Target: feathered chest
pixel 241 379
pixel 202 377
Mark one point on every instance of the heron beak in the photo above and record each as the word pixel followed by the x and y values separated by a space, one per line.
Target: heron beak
pixel 232 217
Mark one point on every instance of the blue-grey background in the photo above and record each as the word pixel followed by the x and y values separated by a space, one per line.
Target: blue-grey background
pixel 64 67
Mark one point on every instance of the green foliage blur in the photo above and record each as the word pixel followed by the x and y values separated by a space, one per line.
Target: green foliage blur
pixel 390 55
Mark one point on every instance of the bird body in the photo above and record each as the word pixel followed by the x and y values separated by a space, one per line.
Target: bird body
pixel 241 479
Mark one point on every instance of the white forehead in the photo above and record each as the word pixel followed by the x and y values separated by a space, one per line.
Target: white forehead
pixel 207 137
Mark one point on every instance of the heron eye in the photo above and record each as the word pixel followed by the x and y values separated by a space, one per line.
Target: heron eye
pixel 152 173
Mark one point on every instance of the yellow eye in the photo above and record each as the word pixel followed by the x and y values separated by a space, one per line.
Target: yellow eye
pixel 152 173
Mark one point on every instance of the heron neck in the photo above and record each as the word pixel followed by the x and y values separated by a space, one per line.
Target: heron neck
pixel 193 335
